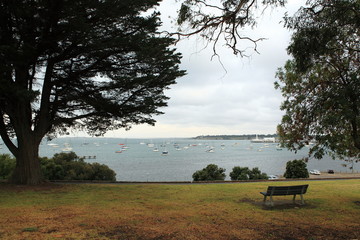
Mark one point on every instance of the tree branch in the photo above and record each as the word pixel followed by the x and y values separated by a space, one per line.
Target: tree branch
pixel 5 137
pixel 211 27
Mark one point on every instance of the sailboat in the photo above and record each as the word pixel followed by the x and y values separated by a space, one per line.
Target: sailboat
pixel 164 152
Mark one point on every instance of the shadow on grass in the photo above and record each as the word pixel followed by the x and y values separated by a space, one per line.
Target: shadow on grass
pixel 278 204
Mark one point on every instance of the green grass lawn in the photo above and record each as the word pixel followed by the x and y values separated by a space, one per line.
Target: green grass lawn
pixel 189 211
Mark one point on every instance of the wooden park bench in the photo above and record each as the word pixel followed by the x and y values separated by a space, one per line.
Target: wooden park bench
pixel 285 190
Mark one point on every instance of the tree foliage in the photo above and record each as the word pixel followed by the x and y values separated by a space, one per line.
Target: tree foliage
pixel 321 84
pixel 63 166
pixel 92 65
pixel 7 166
pixel 210 173
pixel 68 166
pixel 221 20
pixel 244 173
pixel 296 169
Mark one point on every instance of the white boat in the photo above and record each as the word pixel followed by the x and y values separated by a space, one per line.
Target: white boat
pixel 54 145
pixel 263 140
pixel 67 148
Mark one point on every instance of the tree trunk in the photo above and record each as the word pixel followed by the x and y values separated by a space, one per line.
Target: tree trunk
pixel 27 170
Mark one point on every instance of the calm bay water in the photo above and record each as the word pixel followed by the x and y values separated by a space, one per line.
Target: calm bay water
pixel 185 156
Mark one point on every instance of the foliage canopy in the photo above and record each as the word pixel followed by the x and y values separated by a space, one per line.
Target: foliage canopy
pixel 321 84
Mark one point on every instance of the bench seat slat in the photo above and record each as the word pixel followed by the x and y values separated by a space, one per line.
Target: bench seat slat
pixel 286 190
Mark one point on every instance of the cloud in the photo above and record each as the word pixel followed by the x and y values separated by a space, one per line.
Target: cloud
pixel 230 95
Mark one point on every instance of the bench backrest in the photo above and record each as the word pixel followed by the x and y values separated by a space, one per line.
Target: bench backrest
pixel 287 190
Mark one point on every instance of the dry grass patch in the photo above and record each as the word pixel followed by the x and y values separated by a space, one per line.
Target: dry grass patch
pixel 209 211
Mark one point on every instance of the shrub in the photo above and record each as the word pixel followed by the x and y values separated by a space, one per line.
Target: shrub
pixel 63 166
pixel 68 166
pixel 239 173
pixel 244 173
pixel 7 166
pixel 211 173
pixel 296 169
pixel 51 170
pixel 255 173
pixel 102 172
pixel 62 158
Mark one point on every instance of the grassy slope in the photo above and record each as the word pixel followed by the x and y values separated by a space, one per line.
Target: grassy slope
pixel 209 211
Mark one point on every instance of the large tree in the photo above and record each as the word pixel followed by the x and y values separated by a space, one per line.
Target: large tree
pixel 94 65
pixel 321 84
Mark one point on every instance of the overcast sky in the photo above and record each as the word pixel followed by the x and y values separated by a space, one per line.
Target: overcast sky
pixel 212 101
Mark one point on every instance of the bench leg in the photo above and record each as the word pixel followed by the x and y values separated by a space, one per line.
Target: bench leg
pixel 264 199
pixel 302 199
pixel 294 198
pixel 271 201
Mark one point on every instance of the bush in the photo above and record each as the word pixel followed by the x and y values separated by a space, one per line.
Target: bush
pixel 296 169
pixel 63 166
pixel 255 173
pixel 51 170
pixel 102 172
pixel 239 173
pixel 211 173
pixel 244 173
pixel 7 166
pixel 68 166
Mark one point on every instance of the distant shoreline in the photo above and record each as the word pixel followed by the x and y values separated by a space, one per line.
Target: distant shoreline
pixel 235 137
